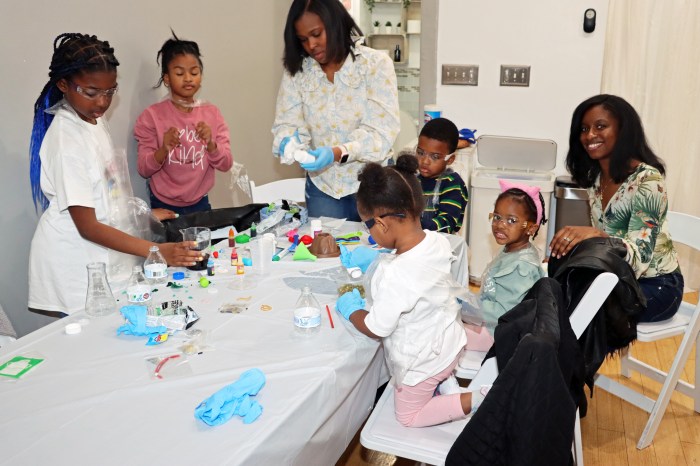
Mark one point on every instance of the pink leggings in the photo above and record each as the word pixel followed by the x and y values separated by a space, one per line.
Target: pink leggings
pixel 418 407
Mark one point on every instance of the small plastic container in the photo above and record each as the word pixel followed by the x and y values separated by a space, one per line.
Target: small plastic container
pixel 349 283
pixel 155 267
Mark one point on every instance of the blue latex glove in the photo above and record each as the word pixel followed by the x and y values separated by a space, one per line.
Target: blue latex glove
pixel 324 157
pixel 285 140
pixel 136 315
pixel 350 302
pixel 233 399
pixel 361 257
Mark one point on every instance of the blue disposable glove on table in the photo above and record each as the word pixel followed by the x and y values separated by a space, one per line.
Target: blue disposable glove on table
pixel 233 399
pixel 136 315
pixel 350 302
pixel 324 157
pixel 361 257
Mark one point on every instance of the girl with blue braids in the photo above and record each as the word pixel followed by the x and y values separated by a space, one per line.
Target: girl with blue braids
pixel 77 179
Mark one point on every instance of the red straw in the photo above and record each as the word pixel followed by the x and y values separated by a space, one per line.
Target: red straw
pixel 329 316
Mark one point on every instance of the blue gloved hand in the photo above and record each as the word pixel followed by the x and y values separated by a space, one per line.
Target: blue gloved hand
pixel 286 140
pixel 361 257
pixel 233 399
pixel 324 157
pixel 350 302
pixel 136 315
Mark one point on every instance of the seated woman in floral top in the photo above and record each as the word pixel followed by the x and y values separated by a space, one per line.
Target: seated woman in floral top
pixel 609 155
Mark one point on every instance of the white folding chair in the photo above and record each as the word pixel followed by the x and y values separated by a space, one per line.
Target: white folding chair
pixel 684 229
pixel 290 189
pixel 382 432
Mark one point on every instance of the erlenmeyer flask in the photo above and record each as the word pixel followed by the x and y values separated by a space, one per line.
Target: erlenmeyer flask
pixel 99 301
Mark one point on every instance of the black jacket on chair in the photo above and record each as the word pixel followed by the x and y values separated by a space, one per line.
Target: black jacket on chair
pixel 615 326
pixel 528 416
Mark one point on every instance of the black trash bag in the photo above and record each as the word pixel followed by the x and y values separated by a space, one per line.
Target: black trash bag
pixel 240 217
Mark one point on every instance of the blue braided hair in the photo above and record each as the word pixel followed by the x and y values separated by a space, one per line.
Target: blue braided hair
pixel 73 53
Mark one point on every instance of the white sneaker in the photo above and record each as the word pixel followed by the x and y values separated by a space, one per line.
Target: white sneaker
pixel 449 386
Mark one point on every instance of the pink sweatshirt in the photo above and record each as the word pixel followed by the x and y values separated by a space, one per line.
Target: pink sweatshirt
pixel 187 173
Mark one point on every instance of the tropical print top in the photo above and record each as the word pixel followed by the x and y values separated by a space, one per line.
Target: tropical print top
pixel 637 215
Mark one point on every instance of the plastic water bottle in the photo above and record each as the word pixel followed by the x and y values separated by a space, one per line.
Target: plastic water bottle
pixel 155 267
pixel 138 291
pixel 307 313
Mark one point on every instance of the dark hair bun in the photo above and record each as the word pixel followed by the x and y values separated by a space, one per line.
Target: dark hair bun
pixel 407 164
pixel 373 175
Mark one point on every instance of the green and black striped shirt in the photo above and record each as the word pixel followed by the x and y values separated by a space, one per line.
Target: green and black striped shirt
pixel 444 209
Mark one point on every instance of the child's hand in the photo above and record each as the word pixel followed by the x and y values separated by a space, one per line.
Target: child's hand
pixel 361 257
pixel 163 214
pixel 171 139
pixel 181 254
pixel 204 133
pixel 350 302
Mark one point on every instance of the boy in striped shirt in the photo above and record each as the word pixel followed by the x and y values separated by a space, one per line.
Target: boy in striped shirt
pixel 445 193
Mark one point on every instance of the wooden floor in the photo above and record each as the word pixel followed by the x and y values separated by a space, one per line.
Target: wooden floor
pixel 612 427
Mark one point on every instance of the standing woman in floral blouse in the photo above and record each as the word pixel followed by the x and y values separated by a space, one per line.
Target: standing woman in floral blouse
pixel 609 155
pixel 338 99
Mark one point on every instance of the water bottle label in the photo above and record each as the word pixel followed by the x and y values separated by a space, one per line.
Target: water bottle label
pixel 156 270
pixel 307 317
pixel 138 294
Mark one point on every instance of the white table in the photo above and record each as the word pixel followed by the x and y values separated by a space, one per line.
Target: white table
pixel 92 401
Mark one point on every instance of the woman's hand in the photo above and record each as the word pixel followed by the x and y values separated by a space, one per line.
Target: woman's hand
pixel 568 237
pixel 181 254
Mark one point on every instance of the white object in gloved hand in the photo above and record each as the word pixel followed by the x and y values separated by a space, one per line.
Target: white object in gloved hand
pixel 291 146
pixel 303 156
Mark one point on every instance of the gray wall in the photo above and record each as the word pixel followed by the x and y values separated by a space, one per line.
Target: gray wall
pixel 241 43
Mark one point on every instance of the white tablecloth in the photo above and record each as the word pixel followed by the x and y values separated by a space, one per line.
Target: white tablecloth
pixel 94 400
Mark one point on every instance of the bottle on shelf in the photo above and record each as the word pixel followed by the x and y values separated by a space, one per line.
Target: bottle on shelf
pixel 307 313
pixel 155 267
pixel 397 53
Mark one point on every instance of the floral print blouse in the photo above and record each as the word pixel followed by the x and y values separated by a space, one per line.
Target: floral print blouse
pixel 360 110
pixel 637 214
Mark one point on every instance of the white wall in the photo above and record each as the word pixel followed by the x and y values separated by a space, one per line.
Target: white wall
pixel 241 43
pixel 547 35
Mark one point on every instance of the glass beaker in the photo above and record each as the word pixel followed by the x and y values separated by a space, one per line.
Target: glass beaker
pixel 202 236
pixel 99 301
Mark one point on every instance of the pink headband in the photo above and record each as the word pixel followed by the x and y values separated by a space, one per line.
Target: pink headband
pixel 532 191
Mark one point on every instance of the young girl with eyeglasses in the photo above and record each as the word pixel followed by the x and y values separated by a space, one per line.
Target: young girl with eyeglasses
pixel 182 141
pixel 516 219
pixel 414 309
pixel 77 179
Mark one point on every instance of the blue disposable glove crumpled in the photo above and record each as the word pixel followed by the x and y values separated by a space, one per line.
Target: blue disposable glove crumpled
pixel 361 256
pixel 468 135
pixel 136 315
pixel 324 157
pixel 350 302
pixel 235 398
pixel 286 140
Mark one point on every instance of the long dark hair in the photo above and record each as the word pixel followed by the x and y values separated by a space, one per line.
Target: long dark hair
pixel 173 47
pixel 631 142
pixel 340 29
pixel 391 189
pixel 73 54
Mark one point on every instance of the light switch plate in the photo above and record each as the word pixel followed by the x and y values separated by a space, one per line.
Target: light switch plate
pixel 463 75
pixel 515 75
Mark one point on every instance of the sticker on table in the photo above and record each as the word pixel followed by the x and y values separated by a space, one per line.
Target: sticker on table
pixel 16 367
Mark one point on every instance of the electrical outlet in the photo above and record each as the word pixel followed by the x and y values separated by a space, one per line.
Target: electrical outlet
pixel 464 75
pixel 515 75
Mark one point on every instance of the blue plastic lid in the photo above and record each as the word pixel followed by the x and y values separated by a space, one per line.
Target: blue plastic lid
pixel 178 275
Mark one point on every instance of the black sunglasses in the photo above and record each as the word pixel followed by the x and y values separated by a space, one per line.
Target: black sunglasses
pixel 370 223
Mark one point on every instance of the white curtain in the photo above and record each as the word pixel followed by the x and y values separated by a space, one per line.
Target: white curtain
pixel 652 59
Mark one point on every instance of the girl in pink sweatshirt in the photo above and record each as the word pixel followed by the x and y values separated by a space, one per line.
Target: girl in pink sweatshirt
pixel 181 141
